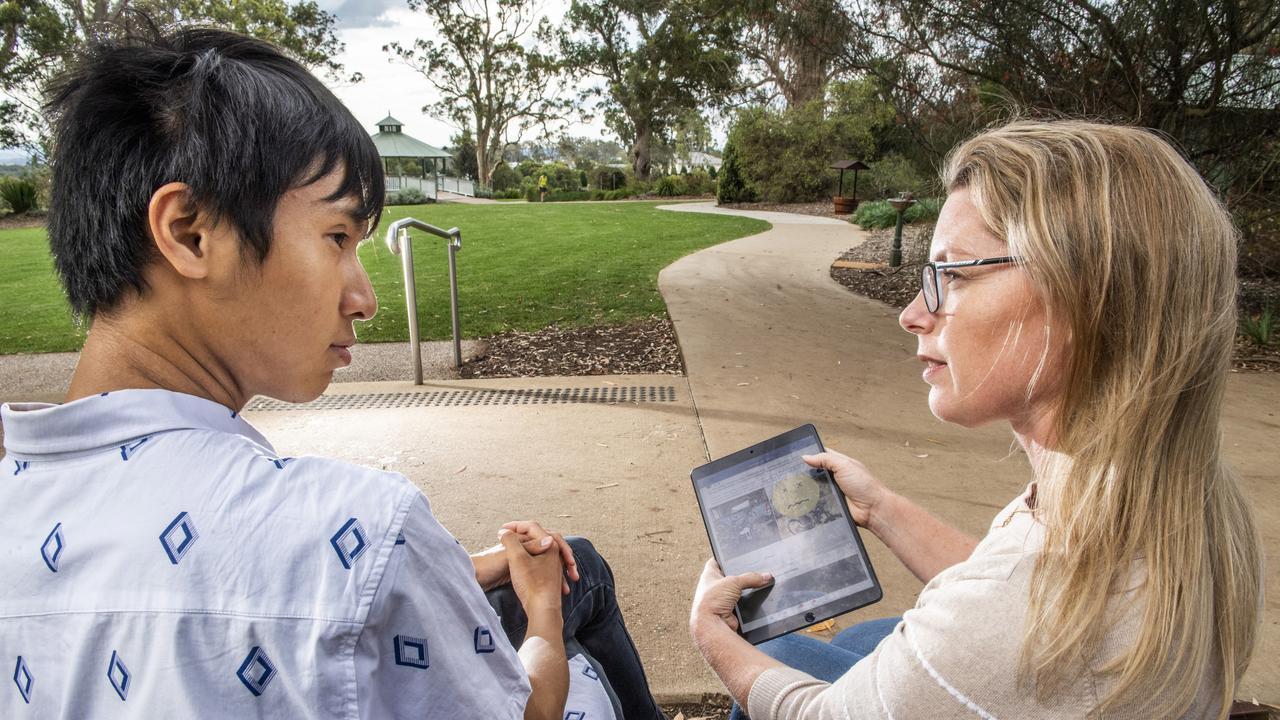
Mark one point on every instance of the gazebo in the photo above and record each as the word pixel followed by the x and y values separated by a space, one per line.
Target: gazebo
pixel 393 144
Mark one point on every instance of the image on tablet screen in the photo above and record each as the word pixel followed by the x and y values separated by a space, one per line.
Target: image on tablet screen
pixel 779 515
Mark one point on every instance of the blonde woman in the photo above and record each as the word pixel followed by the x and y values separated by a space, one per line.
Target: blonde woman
pixel 1081 288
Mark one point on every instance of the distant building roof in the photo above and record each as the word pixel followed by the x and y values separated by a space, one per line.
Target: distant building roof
pixel 393 143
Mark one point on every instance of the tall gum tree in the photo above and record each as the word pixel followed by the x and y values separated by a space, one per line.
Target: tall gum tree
pixel 41 36
pixel 493 69
pixel 657 60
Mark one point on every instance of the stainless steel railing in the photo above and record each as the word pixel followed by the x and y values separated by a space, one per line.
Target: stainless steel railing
pixel 399 242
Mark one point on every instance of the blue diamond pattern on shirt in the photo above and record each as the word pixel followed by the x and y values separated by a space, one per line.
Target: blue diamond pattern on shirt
pixel 119 676
pixel 590 672
pixel 484 640
pixel 281 462
pixel 257 671
pixel 575 715
pixel 349 542
pixel 178 538
pixel 23 679
pixel 412 652
pixel 399 538
pixel 20 465
pixel 127 451
pixel 51 550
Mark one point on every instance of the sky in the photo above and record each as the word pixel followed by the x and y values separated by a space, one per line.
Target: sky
pixel 364 26
pixel 389 86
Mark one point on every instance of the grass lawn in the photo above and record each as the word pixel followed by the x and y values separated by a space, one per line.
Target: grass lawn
pixel 521 266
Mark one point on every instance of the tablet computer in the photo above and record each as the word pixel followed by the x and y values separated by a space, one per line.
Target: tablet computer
pixel 767 511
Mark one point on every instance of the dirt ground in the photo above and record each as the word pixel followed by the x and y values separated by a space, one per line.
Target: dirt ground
pixel 644 347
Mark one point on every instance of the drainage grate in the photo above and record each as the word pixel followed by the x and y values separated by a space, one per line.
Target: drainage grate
pixel 458 398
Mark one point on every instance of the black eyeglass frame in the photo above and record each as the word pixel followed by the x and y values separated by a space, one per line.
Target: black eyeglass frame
pixel 930 270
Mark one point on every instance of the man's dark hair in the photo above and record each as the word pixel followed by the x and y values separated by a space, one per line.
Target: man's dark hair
pixel 229 115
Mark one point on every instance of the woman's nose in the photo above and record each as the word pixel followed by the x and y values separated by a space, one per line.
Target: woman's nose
pixel 916 318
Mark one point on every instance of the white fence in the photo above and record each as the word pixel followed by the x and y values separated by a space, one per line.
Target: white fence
pixel 458 186
pixel 427 186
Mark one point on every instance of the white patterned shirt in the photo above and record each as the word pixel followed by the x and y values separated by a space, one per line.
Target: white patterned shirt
pixel 160 559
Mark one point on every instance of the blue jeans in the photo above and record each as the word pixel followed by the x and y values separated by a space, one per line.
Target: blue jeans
pixel 593 627
pixel 826 661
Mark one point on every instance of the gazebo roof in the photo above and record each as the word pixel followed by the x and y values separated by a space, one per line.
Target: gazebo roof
pixel 396 144
pixel 849 165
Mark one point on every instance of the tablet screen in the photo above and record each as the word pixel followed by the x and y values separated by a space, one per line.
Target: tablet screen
pixel 767 511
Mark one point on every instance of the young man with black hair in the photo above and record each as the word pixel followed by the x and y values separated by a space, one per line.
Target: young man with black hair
pixel 159 557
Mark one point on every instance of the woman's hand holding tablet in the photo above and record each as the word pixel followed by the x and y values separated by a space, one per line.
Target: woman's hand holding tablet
pixel 767 511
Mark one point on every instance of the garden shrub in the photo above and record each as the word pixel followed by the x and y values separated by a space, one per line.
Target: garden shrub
pixel 879 214
pixel 407 196
pixel 892 175
pixel 558 195
pixel 504 178
pixel 786 155
pixel 508 194
pixel 732 187
pixel 19 194
pixel 670 186
pixel 699 182
pixel 608 178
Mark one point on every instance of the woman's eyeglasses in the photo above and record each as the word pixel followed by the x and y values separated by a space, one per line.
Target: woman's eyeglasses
pixel 932 287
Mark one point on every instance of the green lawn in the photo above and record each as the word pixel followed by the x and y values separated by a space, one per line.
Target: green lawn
pixel 522 266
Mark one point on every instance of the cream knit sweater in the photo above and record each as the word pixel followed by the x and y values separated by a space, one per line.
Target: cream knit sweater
pixel 955 654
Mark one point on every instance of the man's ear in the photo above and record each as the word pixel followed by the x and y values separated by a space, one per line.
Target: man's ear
pixel 180 230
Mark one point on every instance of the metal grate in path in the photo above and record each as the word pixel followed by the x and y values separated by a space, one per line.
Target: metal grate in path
pixel 459 398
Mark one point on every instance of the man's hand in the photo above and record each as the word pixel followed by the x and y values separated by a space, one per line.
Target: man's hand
pixel 536 579
pixel 491 564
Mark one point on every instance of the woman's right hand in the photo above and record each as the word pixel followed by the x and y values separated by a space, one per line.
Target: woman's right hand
pixel 857 483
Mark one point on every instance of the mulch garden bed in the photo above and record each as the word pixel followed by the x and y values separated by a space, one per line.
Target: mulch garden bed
pixel 824 208
pixel 9 221
pixel 647 346
pixel 898 286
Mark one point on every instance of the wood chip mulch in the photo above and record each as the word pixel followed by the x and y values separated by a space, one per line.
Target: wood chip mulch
pixel 898 286
pixel 824 208
pixel 710 709
pixel 10 221
pixel 648 346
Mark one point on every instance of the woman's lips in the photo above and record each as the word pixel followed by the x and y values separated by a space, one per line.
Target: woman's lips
pixel 932 367
pixel 343 352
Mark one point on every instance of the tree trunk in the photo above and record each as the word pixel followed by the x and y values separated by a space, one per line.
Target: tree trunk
pixel 808 76
pixel 640 151
pixel 484 171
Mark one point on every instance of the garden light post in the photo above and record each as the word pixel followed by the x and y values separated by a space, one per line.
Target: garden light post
pixel 899 205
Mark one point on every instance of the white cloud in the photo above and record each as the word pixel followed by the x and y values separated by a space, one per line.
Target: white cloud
pixel 390 86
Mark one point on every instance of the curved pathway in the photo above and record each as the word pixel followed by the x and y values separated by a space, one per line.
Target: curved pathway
pixel 771 342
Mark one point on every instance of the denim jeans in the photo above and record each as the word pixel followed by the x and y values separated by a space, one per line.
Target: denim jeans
pixel 826 661
pixel 593 626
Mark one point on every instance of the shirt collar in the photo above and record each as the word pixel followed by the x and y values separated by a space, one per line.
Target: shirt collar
pixel 32 430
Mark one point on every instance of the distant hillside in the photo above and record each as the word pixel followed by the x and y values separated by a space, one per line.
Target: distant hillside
pixel 12 170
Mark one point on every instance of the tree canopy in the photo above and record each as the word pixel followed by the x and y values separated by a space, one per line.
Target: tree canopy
pixel 40 37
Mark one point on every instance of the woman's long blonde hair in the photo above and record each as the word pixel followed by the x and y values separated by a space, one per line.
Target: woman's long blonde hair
pixel 1135 259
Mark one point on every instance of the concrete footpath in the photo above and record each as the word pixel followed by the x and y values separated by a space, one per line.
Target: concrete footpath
pixel 770 342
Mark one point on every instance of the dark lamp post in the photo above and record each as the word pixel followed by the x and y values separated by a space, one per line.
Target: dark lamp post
pixel 899 205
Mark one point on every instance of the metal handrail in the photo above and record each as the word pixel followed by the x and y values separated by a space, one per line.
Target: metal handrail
pixel 399 242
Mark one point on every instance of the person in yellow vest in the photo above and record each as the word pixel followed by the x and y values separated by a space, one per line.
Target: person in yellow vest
pixel 542 188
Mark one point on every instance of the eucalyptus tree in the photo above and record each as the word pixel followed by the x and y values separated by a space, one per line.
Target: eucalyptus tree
pixel 492 68
pixel 41 36
pixel 792 48
pixel 654 61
